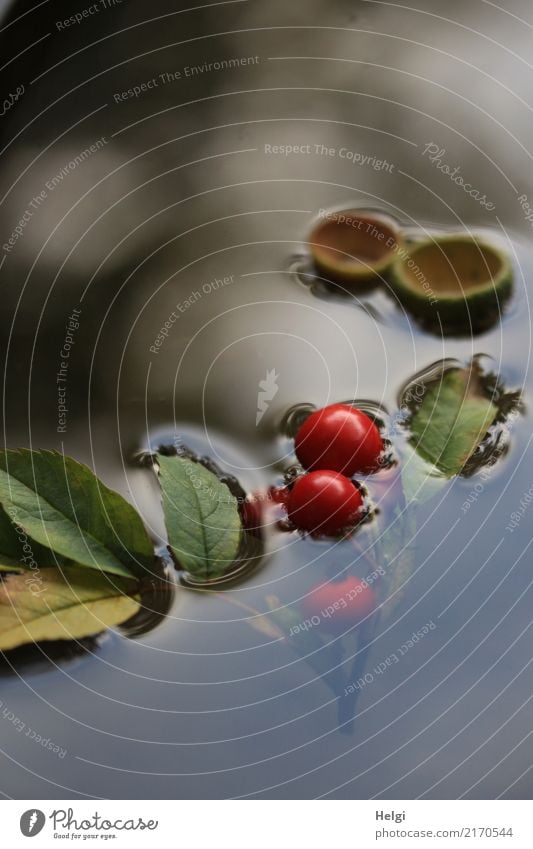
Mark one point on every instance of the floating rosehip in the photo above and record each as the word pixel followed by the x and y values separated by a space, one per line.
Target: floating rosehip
pixel 339 437
pixel 324 502
pixel 340 604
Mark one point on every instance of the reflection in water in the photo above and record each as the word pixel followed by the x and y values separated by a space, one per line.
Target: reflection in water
pixel 157 595
pixel 304 272
pixel 46 656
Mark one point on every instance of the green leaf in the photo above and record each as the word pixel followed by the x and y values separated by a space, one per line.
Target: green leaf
pixel 201 515
pixel 452 420
pixel 67 606
pixel 450 423
pixel 11 552
pixel 61 504
pixel 18 552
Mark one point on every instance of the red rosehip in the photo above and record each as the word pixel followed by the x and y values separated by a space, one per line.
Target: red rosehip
pixel 339 437
pixel 324 501
pixel 340 604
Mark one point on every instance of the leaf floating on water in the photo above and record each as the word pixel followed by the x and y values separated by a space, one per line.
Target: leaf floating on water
pixel 62 504
pixel 20 553
pixel 11 551
pixel 452 420
pixel 201 516
pixel 449 422
pixel 56 606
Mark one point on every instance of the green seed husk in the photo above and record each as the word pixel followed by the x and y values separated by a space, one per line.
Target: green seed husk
pixel 453 283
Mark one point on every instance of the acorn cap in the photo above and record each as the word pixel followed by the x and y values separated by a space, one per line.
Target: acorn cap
pixel 352 246
pixel 458 283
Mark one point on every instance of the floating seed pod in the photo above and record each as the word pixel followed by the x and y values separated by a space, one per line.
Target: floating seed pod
pixel 353 246
pixel 457 283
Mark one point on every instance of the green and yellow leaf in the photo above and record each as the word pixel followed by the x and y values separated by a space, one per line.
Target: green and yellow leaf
pixel 51 605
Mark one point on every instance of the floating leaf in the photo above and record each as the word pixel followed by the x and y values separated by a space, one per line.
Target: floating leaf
pixel 10 547
pixel 448 424
pixel 201 515
pixel 452 420
pixel 61 504
pixel 63 606
pixel 18 552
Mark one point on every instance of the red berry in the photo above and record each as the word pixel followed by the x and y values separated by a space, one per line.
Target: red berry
pixel 340 604
pixel 339 437
pixel 324 501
